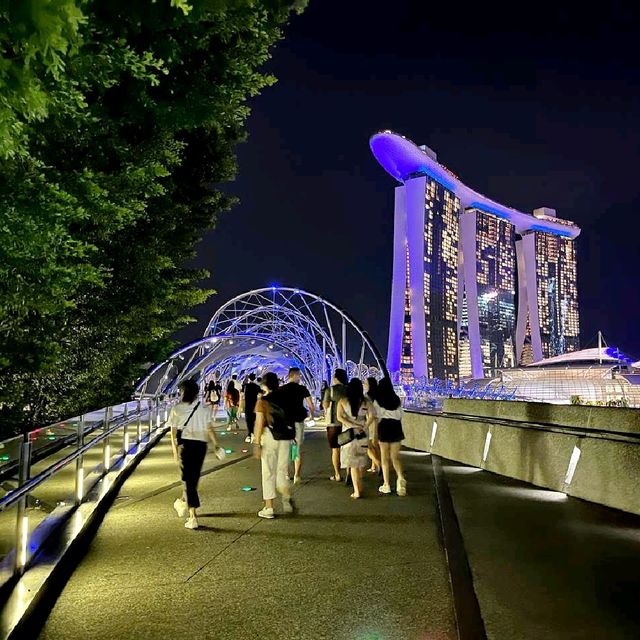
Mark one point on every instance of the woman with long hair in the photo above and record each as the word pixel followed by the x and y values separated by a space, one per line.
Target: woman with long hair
pixel 272 447
pixel 355 412
pixel 388 410
pixel 191 425
pixel 232 404
pixel 370 390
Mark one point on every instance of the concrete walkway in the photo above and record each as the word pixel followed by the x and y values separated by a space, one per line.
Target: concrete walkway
pixel 546 566
pixel 372 569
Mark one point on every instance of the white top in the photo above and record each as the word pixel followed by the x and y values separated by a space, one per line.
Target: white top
pixel 387 414
pixel 198 427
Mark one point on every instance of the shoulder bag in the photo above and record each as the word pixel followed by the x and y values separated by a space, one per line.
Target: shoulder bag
pixel 179 431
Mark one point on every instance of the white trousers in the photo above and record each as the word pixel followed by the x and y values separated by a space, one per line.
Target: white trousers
pixel 275 465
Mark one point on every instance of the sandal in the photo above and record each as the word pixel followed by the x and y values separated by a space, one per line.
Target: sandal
pixel 334 479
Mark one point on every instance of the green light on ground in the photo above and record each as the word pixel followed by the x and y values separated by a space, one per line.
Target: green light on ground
pixel 248 488
pixel 52 437
pixel 228 450
pixel 4 458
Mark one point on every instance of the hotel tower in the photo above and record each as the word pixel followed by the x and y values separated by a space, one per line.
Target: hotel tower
pixel 477 286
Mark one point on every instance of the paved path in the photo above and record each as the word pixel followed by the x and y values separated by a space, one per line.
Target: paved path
pixel 546 566
pixel 372 569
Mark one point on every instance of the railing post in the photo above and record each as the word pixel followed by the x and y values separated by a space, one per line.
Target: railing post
pixel 125 435
pixel 139 421
pixel 79 492
pixel 106 446
pixel 22 522
pixel 150 405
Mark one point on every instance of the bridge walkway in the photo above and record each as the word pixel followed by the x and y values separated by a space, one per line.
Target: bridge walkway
pixel 544 566
pixel 339 568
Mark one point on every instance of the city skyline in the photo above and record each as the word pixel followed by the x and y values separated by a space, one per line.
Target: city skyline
pixel 473 280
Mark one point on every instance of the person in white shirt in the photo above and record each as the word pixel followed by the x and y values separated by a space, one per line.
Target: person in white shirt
pixel 388 408
pixel 191 423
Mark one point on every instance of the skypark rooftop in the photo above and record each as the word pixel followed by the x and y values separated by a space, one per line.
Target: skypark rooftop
pixel 403 159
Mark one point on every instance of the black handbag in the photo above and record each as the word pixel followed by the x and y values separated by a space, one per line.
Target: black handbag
pixel 349 435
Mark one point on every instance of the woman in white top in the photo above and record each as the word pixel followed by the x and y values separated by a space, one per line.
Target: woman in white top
pixel 390 435
pixel 355 412
pixel 191 423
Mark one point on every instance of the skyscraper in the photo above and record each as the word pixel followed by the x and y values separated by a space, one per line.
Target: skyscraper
pixel 473 280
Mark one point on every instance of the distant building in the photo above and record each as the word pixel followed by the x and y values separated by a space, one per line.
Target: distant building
pixel 477 286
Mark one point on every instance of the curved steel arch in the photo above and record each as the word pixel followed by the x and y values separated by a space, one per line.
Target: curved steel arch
pixel 272 327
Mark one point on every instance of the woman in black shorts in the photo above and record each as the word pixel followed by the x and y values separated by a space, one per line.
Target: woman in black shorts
pixel 388 410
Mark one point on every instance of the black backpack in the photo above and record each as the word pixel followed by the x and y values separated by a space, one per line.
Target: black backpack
pixel 281 427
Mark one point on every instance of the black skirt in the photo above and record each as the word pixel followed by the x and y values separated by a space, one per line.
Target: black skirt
pixel 390 430
pixel 333 431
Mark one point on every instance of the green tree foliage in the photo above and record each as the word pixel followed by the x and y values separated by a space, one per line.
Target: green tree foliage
pixel 117 120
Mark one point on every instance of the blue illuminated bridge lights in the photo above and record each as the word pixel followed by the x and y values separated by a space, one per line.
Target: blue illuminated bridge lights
pixel 274 328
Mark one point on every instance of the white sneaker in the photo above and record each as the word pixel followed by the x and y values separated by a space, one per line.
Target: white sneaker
pixel 287 505
pixel 266 512
pixel 191 523
pixel 385 488
pixel 181 507
pixel 247 439
pixel 401 487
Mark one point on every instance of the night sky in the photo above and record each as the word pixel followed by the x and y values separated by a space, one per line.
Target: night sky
pixel 532 105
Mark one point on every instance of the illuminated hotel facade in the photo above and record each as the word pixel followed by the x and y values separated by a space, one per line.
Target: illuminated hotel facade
pixel 473 281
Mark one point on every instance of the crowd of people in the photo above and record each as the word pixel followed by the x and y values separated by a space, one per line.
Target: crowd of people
pixel 364 432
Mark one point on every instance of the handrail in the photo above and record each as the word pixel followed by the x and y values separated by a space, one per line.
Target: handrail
pixel 18 497
pixel 602 434
pixel 13 496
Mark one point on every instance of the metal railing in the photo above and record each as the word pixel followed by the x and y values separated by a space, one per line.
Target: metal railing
pixel 118 436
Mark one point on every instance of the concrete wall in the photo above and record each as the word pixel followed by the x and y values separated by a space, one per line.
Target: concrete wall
pixel 608 472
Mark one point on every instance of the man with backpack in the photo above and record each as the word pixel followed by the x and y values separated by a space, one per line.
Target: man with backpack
pixel 273 435
pixel 295 397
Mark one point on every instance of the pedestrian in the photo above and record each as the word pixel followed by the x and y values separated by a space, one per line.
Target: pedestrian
pixel 273 436
pixel 330 400
pixel 370 390
pixel 191 425
pixel 251 391
pixel 323 391
pixel 355 412
pixel 295 396
pixel 388 408
pixel 231 404
pixel 214 395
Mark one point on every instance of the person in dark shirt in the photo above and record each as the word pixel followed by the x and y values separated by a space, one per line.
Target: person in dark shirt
pixel 251 391
pixel 332 396
pixel 295 396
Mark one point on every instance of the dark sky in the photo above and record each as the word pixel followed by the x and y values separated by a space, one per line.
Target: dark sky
pixel 535 105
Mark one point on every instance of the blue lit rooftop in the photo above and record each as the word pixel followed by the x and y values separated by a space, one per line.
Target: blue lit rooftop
pixel 403 159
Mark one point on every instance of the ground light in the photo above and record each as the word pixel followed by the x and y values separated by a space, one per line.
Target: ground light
pixel 487 444
pixel 573 463
pixel 228 450
pixel 248 488
pixel 434 430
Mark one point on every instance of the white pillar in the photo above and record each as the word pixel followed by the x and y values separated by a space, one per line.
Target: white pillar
pixel 528 296
pixel 468 225
pixel 398 282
